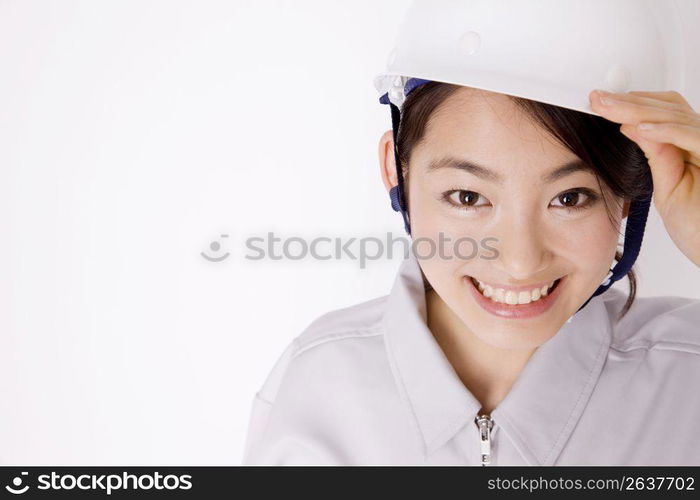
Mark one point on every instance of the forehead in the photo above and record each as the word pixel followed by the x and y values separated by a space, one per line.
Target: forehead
pixel 489 126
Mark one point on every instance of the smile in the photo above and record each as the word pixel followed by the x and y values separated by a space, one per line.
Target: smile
pixel 520 303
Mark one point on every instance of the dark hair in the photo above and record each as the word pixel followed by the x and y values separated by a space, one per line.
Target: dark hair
pixel 615 159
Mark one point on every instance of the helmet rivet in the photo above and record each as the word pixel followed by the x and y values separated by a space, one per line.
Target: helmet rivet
pixel 397 92
pixel 617 79
pixel 469 42
pixel 397 96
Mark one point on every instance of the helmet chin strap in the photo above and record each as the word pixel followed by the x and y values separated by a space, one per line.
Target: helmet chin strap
pixel 398 192
pixel 634 233
pixel 636 218
pixel 394 98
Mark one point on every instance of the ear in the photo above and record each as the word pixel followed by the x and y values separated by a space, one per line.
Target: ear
pixel 387 162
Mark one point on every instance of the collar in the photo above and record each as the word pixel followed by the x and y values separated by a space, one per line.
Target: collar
pixel 544 404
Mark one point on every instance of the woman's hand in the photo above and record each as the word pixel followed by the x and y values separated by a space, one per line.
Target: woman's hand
pixel 672 147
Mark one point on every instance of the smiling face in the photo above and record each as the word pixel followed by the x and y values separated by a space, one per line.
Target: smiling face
pixel 484 172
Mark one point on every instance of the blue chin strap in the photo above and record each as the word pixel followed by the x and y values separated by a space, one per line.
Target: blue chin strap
pixel 636 218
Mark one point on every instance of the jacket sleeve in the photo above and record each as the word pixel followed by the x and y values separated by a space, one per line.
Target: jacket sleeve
pixel 254 451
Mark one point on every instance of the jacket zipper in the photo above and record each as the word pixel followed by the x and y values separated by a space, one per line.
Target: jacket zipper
pixel 484 423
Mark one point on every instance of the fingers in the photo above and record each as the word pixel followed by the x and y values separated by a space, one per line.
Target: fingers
pixel 683 136
pixel 670 96
pixel 635 109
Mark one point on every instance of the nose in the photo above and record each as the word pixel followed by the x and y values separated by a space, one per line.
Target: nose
pixel 524 249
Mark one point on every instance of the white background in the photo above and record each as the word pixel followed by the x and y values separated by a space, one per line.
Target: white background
pixel 132 135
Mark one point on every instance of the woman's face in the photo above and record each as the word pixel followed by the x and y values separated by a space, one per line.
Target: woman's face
pixel 523 223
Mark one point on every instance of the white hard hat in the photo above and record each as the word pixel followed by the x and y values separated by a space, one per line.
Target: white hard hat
pixel 552 51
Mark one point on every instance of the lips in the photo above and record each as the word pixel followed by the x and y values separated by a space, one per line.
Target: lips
pixel 517 311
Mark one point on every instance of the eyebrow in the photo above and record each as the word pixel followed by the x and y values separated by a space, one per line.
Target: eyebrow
pixel 474 168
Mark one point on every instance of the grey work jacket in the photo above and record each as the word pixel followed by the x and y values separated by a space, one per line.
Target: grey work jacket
pixel 369 384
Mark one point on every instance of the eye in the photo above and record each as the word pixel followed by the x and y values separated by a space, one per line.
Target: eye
pixel 462 198
pixel 571 200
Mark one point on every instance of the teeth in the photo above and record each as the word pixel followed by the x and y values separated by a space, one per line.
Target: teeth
pixel 511 297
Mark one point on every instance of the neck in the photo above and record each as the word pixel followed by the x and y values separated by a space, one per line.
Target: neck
pixel 488 372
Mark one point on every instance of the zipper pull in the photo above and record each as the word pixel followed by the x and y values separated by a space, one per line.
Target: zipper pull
pixel 485 424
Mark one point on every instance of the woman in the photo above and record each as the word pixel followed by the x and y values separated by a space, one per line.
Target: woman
pixel 521 354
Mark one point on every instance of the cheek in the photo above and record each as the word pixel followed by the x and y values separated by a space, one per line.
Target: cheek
pixel 442 240
pixel 432 218
pixel 433 241
pixel 588 243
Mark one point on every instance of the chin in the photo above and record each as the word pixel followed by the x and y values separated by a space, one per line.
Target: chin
pixel 507 337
